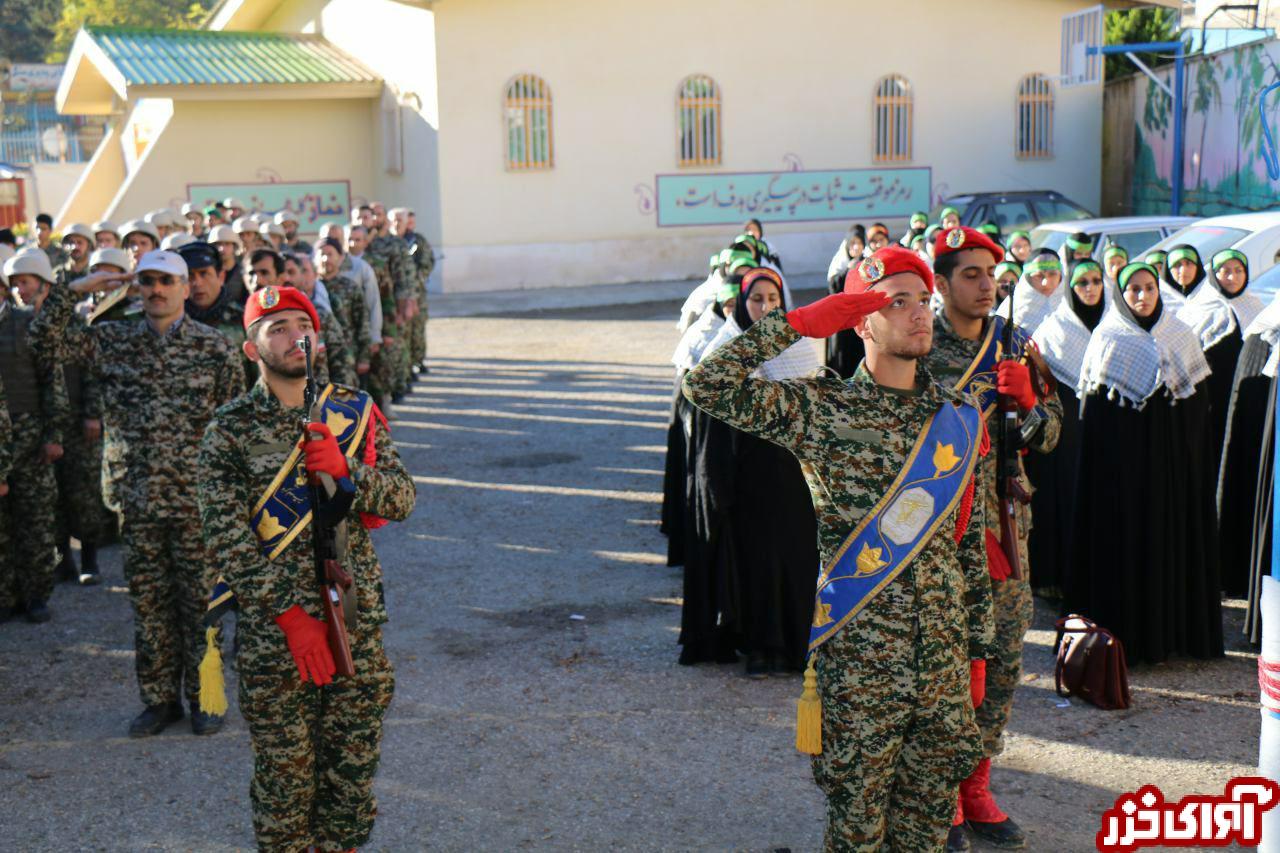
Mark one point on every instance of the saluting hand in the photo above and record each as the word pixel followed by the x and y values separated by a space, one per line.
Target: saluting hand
pixel 836 312
pixel 100 281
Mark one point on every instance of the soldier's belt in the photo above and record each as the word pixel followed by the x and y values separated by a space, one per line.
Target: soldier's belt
pixel 284 510
pixel 902 522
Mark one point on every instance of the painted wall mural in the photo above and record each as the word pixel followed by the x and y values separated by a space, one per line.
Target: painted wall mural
pixel 1224 171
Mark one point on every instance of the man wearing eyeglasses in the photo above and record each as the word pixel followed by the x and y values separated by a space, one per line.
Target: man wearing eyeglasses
pixel 162 378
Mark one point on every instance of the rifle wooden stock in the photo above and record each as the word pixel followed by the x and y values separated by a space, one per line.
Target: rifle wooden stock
pixel 339 642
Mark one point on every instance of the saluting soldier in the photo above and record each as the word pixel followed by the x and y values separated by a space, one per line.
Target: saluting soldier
pixel 38 408
pixel 967 343
pixel 902 620
pixel 161 379
pixel 315 750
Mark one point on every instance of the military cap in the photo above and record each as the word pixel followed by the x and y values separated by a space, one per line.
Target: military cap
pixel 962 237
pixel 272 300
pixel 30 261
pixel 266 229
pixel 162 261
pixel 232 201
pixel 199 255
pixel 243 224
pixel 190 208
pixel 224 234
pixel 104 225
pixel 142 227
pixel 112 257
pixel 891 260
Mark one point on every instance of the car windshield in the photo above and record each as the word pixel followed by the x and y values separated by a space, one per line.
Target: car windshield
pixel 1208 240
pixel 1267 285
pixel 1048 238
pixel 1059 210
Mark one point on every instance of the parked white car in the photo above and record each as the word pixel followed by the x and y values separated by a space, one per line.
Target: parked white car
pixel 1135 234
pixel 1257 235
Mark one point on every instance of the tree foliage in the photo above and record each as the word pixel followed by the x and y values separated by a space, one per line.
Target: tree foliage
pixel 157 14
pixel 26 29
pixel 1135 26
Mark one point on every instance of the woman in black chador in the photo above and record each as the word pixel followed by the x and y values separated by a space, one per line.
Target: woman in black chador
pixel 1144 549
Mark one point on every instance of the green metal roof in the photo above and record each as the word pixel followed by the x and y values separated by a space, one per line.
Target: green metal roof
pixel 203 58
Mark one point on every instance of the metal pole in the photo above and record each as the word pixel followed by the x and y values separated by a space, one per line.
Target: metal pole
pixel 1179 128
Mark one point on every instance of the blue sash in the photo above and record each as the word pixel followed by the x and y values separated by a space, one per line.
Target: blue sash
pixel 980 379
pixel 284 510
pixel 895 530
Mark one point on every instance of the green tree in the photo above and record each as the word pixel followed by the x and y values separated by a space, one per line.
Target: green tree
pixel 162 14
pixel 26 28
pixel 1135 26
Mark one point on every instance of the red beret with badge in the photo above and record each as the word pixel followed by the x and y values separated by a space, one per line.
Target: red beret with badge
pixel 272 300
pixel 960 238
pixel 888 261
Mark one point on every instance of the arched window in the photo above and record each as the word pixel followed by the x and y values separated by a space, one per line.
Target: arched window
pixel 1035 118
pixel 891 110
pixel 528 121
pixel 698 119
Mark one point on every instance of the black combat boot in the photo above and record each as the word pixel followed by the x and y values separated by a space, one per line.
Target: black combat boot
pixel 957 840
pixel 154 719
pixel 88 564
pixel 202 723
pixel 66 570
pixel 38 611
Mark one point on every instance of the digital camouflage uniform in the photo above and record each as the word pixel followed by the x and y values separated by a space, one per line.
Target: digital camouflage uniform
pixel 334 359
pixel 389 257
pixel 898 731
pixel 58 256
pixel 227 316
pixel 81 512
pixel 6 462
pixel 38 408
pixel 424 262
pixel 349 307
pixel 949 359
pixel 158 392
pixel 315 749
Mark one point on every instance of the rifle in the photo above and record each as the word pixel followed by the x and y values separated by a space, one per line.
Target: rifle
pixel 329 506
pixel 1009 442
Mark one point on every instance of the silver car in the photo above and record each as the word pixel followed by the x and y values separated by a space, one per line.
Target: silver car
pixel 1134 234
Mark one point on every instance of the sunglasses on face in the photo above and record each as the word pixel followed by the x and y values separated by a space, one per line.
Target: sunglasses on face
pixel 155 280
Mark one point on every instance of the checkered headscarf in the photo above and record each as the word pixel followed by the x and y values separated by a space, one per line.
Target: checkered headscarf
pixel 1213 316
pixel 1267 326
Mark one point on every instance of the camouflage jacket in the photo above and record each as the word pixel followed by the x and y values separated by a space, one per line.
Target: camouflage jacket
pixel 243 448
pixel 336 362
pixel 6 436
pixel 948 360
pixel 852 439
pixel 353 315
pixel 389 253
pixel 58 256
pixel 424 260
pixel 158 392
pixel 17 335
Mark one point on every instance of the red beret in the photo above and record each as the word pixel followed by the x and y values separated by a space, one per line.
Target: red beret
pixel 957 239
pixel 271 300
pixel 888 261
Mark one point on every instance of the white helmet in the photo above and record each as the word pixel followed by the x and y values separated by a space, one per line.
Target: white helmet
pixel 104 225
pixel 269 228
pixel 111 257
pixel 175 240
pixel 243 224
pixel 224 234
pixel 30 261
pixel 286 215
pixel 142 227
pixel 80 230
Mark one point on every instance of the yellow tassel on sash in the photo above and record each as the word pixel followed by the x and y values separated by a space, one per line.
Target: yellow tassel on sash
pixel 809 715
pixel 213 689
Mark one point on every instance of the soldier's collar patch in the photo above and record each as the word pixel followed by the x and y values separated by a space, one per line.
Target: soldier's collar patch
pixel 871 270
pixel 955 238
pixel 268 298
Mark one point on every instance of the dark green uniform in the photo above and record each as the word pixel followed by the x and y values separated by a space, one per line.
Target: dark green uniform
pixel 349 307
pixel 335 362
pixel 38 409
pixel 949 360
pixel 423 262
pixel 389 257
pixel 6 464
pixel 315 749
pixel 158 391
pixel 898 732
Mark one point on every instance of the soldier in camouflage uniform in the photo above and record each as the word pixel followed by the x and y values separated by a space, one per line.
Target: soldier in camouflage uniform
pixel 6 456
pixel 386 248
pixel 44 241
pixel 964 261
pixel 382 376
pixel 345 297
pixel 211 303
pixel 37 408
pixel 335 358
pixel 402 225
pixel 77 241
pixel 161 379
pixel 315 750
pixel 898 682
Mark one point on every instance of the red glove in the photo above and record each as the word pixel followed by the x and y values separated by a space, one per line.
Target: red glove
pixel 997 563
pixel 836 312
pixel 323 454
pixel 977 681
pixel 309 644
pixel 1013 378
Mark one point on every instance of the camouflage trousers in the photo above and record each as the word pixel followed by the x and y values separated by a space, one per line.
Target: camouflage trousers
pixel 895 745
pixel 81 512
pixel 316 749
pixel 386 374
pixel 1013 608
pixel 28 519
pixel 169 573
pixel 418 333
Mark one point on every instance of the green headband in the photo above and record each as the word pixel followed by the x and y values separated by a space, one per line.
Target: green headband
pixel 922 218
pixel 947 211
pixel 1229 255
pixel 1083 267
pixel 1045 265
pixel 1136 267
pixel 1178 255
pixel 1156 257
pixel 1112 251
pixel 738 263
pixel 726 292
pixel 1008 266
pixel 1014 235
pixel 1078 246
pixel 989 229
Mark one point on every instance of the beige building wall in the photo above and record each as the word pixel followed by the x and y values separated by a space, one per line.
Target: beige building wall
pixel 802 92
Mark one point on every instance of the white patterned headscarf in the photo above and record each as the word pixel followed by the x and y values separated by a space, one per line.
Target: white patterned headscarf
pixel 693 343
pixel 1063 338
pixel 1267 326
pixel 1030 306
pixel 1131 363
pixel 1211 313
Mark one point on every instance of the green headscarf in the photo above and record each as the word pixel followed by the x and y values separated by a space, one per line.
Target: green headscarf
pixel 1008 266
pixel 1083 267
pixel 1043 263
pixel 1133 268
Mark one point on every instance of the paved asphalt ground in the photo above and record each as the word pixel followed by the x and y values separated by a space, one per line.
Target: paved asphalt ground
pixel 533 625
